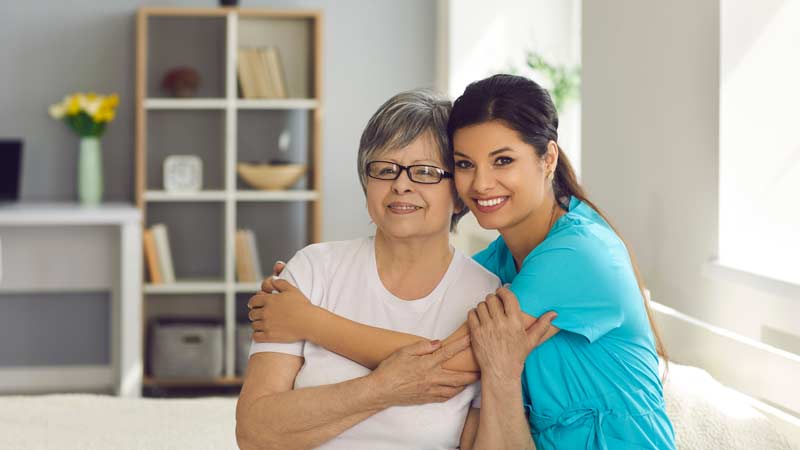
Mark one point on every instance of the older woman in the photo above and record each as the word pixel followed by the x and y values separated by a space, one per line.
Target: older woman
pixel 300 395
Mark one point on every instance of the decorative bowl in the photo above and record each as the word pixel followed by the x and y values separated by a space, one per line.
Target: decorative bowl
pixel 270 176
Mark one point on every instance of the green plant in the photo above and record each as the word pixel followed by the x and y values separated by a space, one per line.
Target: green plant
pixel 563 83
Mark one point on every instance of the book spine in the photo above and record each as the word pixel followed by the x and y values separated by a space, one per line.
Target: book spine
pixel 258 274
pixel 151 257
pixel 266 76
pixel 245 79
pixel 277 72
pixel 241 271
pixel 164 254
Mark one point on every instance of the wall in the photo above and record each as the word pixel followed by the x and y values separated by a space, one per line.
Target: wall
pixel 372 50
pixel 651 74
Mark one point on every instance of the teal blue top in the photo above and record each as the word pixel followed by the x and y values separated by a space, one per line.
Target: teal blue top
pixel 594 385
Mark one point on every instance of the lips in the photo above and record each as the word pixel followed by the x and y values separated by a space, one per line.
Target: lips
pixel 403 207
pixel 490 204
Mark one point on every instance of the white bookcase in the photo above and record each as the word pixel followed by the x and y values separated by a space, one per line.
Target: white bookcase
pixel 224 129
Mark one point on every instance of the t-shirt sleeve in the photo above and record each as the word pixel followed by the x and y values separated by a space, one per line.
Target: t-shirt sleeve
pixel 578 277
pixel 476 401
pixel 308 278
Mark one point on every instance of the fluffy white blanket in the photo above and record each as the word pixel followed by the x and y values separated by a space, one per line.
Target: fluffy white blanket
pixel 706 415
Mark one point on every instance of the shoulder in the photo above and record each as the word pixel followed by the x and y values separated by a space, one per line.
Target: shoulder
pixel 324 252
pixel 490 257
pixel 579 240
pixel 476 275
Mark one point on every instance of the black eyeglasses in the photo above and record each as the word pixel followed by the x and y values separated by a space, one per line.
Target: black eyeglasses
pixel 387 170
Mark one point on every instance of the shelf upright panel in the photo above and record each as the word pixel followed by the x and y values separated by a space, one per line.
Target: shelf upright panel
pixel 315 208
pixel 231 109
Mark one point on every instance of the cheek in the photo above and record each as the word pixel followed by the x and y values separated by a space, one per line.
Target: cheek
pixel 462 182
pixel 374 199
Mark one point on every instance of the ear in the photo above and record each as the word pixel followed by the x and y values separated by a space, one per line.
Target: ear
pixel 551 156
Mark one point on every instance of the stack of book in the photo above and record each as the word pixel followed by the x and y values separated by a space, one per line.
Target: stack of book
pixel 261 73
pixel 157 254
pixel 248 264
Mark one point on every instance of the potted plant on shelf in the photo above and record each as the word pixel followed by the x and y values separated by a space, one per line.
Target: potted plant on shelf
pixel 88 115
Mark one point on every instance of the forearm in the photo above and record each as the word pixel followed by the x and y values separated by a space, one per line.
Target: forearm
pixel 306 418
pixel 369 345
pixel 503 425
pixel 361 343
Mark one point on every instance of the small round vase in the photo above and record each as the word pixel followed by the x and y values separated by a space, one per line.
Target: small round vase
pixel 90 172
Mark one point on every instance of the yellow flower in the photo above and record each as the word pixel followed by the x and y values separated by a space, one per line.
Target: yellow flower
pixel 73 106
pixel 57 111
pixel 113 100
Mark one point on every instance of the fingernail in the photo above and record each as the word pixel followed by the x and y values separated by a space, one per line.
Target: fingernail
pixel 280 262
pixel 436 342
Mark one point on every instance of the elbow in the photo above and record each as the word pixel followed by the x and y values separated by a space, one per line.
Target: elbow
pixel 249 437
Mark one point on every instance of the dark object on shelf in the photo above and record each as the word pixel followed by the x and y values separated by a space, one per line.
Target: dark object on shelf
pixel 181 82
pixel 279 162
pixel 10 169
pixel 229 2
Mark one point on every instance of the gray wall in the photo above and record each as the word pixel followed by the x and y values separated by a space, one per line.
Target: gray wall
pixel 650 155
pixel 372 49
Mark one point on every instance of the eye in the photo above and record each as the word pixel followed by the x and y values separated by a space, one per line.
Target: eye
pixel 503 161
pixel 388 170
pixel 424 170
pixel 463 164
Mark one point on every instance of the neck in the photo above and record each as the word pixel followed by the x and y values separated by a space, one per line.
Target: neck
pixel 522 237
pixel 412 267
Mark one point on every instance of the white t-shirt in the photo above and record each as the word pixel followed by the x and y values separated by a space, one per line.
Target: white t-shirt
pixel 342 277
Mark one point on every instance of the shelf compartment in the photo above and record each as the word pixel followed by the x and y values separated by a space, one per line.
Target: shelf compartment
pixel 167 135
pixel 294 38
pixel 196 42
pixel 258 134
pixel 280 230
pixel 196 237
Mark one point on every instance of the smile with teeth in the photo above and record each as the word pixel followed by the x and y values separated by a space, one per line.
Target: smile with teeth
pixel 491 202
pixel 403 207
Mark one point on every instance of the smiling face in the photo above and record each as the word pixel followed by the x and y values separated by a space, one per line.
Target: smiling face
pixel 403 209
pixel 500 177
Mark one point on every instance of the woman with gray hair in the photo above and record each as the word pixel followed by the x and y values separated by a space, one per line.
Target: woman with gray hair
pixel 300 395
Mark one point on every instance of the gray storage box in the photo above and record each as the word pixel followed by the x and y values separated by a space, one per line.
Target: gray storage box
pixel 186 348
pixel 243 339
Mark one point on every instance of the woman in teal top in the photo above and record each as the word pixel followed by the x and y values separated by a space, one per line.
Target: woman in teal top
pixel 596 383
pixel 592 385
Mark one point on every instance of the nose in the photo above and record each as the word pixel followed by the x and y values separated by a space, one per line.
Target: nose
pixel 483 180
pixel 403 183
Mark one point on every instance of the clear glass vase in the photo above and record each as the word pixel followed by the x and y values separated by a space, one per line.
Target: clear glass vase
pixel 90 171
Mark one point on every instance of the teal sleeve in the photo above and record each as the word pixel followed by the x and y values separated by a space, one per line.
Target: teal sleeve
pixel 578 278
pixel 488 258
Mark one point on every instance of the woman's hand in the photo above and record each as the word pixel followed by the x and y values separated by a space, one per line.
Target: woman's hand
pixel 279 317
pixel 414 375
pixel 500 340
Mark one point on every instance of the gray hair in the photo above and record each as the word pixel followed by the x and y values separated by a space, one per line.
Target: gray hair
pixel 401 120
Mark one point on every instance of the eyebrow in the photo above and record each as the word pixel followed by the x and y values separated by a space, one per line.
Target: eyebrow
pixel 492 153
pixel 415 162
